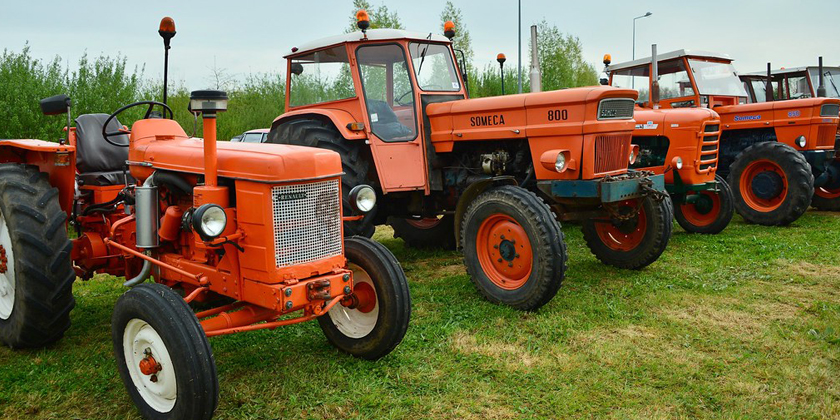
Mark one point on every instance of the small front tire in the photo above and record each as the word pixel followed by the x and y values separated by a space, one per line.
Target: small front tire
pixel 710 213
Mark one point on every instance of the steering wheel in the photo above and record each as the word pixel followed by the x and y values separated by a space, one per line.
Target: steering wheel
pixel 108 134
pixel 400 98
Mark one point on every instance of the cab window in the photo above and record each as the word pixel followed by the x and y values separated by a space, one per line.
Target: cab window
pixel 673 80
pixel 798 88
pixel 320 76
pixel 388 91
pixel 636 78
pixel 433 67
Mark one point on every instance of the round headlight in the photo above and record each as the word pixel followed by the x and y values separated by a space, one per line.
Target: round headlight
pixel 678 163
pixel 560 163
pixel 632 157
pixel 801 141
pixel 209 221
pixel 363 198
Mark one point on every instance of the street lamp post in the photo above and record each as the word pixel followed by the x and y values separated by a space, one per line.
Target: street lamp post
pixel 634 39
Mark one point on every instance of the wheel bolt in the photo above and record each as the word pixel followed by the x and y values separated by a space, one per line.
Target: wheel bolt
pixel 503 236
pixel 346 290
pixel 346 277
pixel 496 246
pixel 288 291
pixel 510 264
pixel 153 378
pixel 500 260
pixel 517 255
pixel 289 305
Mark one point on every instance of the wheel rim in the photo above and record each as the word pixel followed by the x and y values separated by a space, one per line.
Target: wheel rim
pixel 829 194
pixel 623 235
pixel 150 365
pixel 7 271
pixel 424 223
pixel 763 185
pixel 360 320
pixel 504 251
pixel 704 211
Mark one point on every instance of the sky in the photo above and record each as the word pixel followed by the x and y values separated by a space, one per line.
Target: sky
pixel 251 36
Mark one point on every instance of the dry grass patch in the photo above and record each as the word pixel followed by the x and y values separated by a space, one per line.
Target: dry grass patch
pixel 513 356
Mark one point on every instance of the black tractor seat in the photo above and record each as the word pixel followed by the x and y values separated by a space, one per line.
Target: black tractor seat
pixel 99 163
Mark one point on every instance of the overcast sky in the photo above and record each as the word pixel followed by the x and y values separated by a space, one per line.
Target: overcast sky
pixel 252 36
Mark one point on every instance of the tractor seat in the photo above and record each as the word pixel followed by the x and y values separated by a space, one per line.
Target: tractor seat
pixel 99 163
pixel 384 122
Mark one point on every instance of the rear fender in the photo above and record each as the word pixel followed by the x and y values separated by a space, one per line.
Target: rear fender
pixel 56 160
pixel 474 190
pixel 339 118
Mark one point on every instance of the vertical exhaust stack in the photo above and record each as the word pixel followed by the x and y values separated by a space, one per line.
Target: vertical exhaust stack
pixel 821 89
pixel 654 77
pixel 535 74
pixel 769 87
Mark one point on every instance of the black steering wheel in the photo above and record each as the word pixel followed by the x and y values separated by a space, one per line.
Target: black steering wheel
pixel 108 134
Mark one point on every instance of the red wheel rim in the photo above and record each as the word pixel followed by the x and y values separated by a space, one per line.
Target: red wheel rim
pixel 700 215
pixel 829 194
pixel 425 223
pixel 504 251
pixel 623 235
pixel 753 170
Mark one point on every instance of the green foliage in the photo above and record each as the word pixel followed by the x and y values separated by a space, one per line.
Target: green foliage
pixel 462 40
pixel 561 60
pixel 380 16
pixel 488 82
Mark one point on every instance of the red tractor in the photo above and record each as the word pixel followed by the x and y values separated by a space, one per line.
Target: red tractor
pixel 492 176
pixel 774 154
pixel 259 227
pixel 682 144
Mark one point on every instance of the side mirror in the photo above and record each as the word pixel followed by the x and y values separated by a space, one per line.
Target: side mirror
pixel 297 69
pixel 55 105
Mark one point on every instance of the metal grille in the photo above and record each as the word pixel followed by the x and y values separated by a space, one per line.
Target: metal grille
pixel 830 110
pixel 612 152
pixel 826 135
pixel 616 109
pixel 708 151
pixel 307 222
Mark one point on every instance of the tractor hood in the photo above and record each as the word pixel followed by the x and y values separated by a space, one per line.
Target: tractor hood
pixel 164 145
pixel 663 122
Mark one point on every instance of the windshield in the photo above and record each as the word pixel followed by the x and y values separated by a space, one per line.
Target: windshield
pixel 321 76
pixel 716 78
pixel 433 67
pixel 831 79
pixel 635 78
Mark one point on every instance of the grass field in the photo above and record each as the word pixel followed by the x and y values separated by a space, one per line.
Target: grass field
pixel 745 324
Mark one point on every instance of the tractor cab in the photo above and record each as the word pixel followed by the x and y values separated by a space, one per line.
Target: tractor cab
pixel 793 83
pixel 687 78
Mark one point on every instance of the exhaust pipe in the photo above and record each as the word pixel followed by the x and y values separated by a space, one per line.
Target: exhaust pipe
pixel 654 76
pixel 768 91
pixel 821 88
pixel 536 73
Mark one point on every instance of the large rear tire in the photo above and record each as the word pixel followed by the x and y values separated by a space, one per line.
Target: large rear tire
pixel 633 243
pixel 163 355
pixel 514 250
pixel 425 233
pixel 376 321
pixel 711 211
pixel 771 183
pixel 36 276
pixel 316 133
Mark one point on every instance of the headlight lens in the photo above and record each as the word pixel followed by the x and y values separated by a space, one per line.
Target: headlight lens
pixel 560 163
pixel 801 141
pixel 632 157
pixel 363 198
pixel 209 221
pixel 678 163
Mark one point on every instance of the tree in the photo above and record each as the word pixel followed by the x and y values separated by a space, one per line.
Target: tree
pixel 561 60
pixel 380 16
pixel 462 40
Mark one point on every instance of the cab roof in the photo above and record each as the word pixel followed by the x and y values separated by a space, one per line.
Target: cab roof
pixel 790 70
pixel 372 35
pixel 669 56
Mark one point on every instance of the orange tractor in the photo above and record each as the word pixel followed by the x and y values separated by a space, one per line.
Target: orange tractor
pixel 257 226
pixel 774 154
pixel 682 144
pixel 491 176
pixel 803 83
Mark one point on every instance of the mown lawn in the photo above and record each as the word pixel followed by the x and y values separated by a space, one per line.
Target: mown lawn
pixel 745 324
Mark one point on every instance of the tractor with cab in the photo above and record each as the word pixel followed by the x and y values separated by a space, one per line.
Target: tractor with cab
pixel 491 176
pixel 253 232
pixel 682 144
pixel 773 154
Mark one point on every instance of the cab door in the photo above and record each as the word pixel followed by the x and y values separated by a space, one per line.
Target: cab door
pixel 385 82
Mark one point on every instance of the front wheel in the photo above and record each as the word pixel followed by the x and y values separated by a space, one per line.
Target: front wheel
pixel 430 232
pixel 710 211
pixel 163 355
pixel 635 237
pixel 514 250
pixel 826 199
pixel 375 320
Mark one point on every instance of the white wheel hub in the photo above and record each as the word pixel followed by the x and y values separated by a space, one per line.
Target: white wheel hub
pixel 140 341
pixel 355 323
pixel 7 271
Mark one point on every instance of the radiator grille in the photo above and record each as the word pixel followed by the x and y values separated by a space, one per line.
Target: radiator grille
pixel 612 152
pixel 307 222
pixel 826 135
pixel 830 110
pixel 708 152
pixel 616 109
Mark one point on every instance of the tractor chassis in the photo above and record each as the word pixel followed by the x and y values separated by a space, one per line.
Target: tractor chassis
pixel 609 189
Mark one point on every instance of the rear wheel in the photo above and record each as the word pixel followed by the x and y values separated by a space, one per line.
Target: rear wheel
pixel 430 232
pixel 375 320
pixel 315 133
pixel 36 276
pixel 826 199
pixel 771 183
pixel 710 212
pixel 514 250
pixel 631 242
pixel 163 355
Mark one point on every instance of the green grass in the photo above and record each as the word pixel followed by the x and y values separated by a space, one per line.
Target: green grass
pixel 745 324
